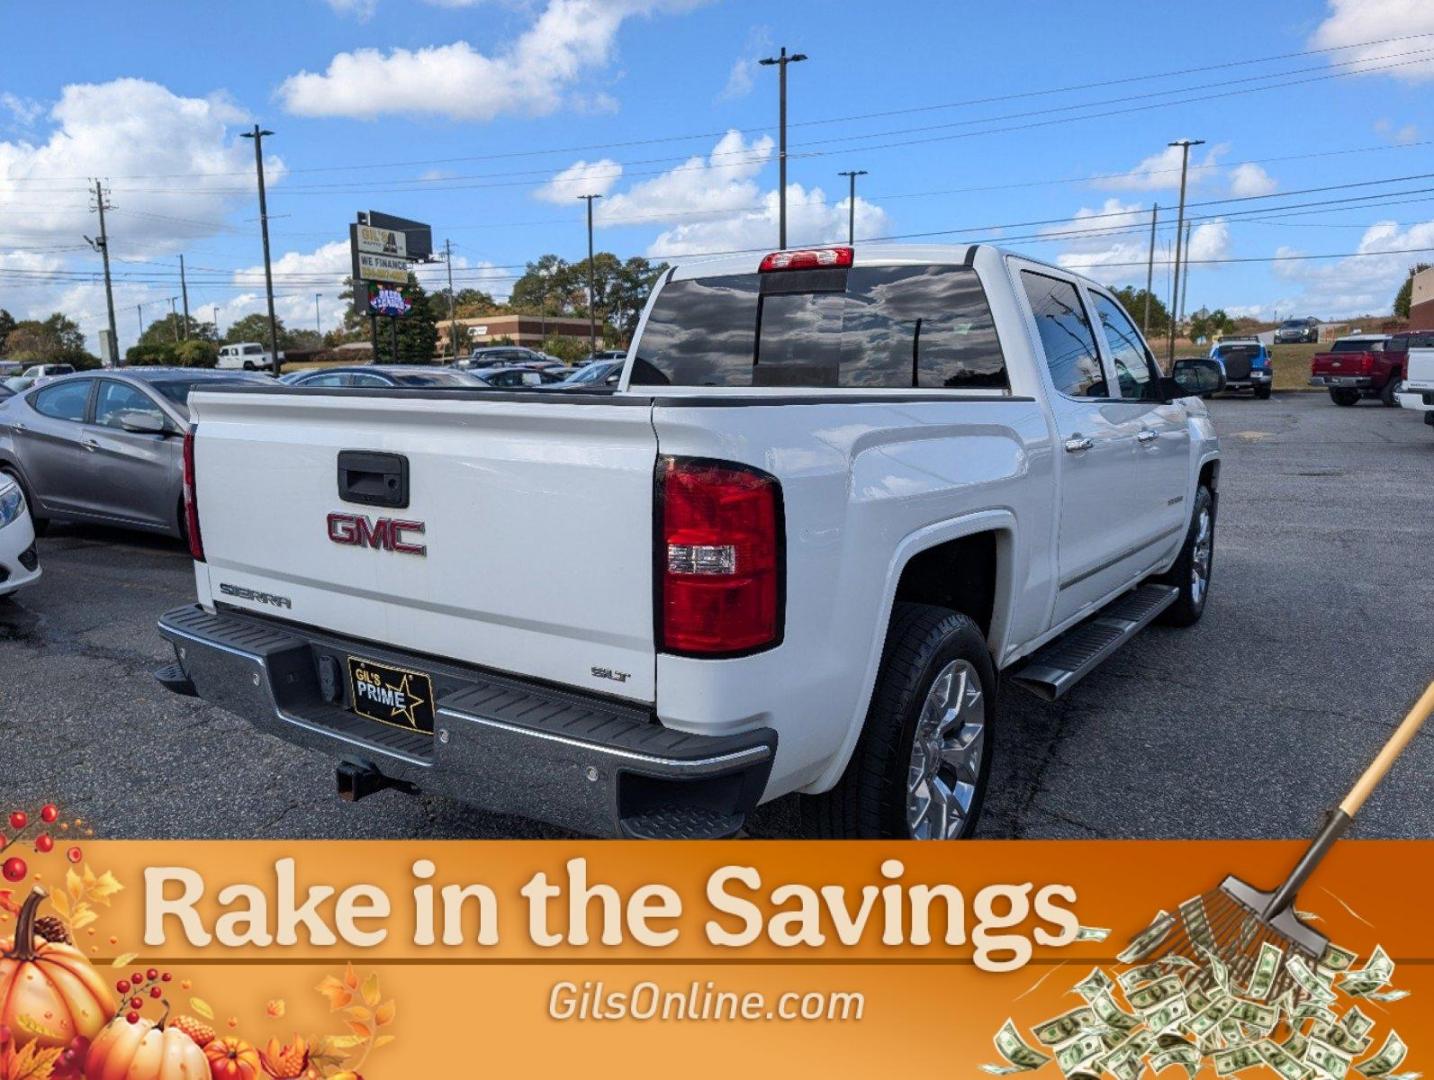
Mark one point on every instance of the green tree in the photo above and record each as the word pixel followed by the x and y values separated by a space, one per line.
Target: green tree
pixel 55 340
pixel 546 288
pixel 254 327
pixel 1210 324
pixel 7 323
pixel 417 331
pixel 172 328
pixel 1402 298
pixel 1133 300
pixel 628 295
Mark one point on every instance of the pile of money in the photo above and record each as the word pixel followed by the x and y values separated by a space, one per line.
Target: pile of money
pixel 1300 1018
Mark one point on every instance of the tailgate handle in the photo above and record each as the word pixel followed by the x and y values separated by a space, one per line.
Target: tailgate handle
pixel 370 478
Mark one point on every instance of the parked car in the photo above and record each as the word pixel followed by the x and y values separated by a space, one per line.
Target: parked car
pixel 246 356
pixel 1416 392
pixel 501 356
pixel 507 378
pixel 605 354
pixel 1357 367
pixel 1297 331
pixel 19 558
pixel 103 446
pixel 42 372
pixel 9 368
pixel 597 373
pixel 385 375
pixel 824 531
pixel 1247 365
pixel 18 384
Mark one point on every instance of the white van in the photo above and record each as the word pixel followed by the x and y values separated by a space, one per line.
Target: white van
pixel 249 355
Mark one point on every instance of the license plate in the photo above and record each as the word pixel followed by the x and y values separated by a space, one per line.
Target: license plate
pixel 391 695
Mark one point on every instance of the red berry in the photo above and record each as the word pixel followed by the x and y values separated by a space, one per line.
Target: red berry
pixel 132 1017
pixel 74 854
pixel 155 991
pixel 14 869
pixel 152 974
pixel 122 986
pixel 165 977
pixel 19 819
pixel 136 1003
pixel 44 844
pixel 49 813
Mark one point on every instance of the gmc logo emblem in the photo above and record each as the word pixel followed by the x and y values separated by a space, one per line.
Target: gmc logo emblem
pixel 383 534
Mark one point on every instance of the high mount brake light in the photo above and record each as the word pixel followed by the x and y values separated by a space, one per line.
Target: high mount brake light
pixel 719 558
pixel 832 258
pixel 191 504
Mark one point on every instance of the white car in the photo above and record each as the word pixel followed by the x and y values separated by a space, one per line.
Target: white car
pixel 1417 392
pixel 246 356
pixel 834 494
pixel 19 560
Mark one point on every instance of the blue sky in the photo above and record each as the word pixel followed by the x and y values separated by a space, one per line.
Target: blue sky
pixel 1015 122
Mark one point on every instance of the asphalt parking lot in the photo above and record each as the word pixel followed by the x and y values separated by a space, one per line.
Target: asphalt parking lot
pixel 1316 638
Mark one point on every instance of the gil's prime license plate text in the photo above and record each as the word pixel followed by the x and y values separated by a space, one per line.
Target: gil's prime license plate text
pixel 393 696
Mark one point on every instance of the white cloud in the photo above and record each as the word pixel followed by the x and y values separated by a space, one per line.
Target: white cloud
pixel 1402 136
pixel 723 181
pixel 810 220
pixel 580 178
pixel 1210 240
pixel 568 42
pixel 178 165
pixel 1118 246
pixel 24 111
pixel 744 69
pixel 1364 285
pixel 1161 171
pixel 360 9
pixel 1249 179
pixel 1353 22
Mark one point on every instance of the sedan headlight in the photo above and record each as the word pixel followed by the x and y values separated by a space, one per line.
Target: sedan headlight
pixel 12 504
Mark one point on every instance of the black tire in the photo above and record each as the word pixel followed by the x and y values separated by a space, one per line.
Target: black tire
pixel 248 365
pixel 870 799
pixel 1387 394
pixel 1344 396
pixel 41 524
pixel 1262 393
pixel 1190 604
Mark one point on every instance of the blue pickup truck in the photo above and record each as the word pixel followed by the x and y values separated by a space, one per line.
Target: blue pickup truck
pixel 1247 363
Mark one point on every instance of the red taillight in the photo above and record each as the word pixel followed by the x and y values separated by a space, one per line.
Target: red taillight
pixel 191 504
pixel 832 258
pixel 1366 364
pixel 719 560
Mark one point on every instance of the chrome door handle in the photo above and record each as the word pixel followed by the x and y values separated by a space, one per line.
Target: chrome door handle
pixel 1146 435
pixel 1077 443
pixel 90 445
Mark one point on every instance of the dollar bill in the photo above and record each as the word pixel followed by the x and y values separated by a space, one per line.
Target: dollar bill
pixel 1151 996
pixel 1281 1060
pixel 1329 1060
pixel 1336 959
pixel 1267 966
pixel 1197 923
pixel 1387 995
pixel 1112 1015
pixel 1185 1055
pixel 1063 1028
pixel 1313 1010
pixel 1355 1022
pixel 1020 1056
pixel 1094 984
pixel 1071 1057
pixel 1262 1017
pixel 1148 940
pixel 1197 999
pixel 1235 1059
pixel 1295 1044
pixel 1217 969
pixel 1376 973
pixel 1208 1019
pixel 1168 1015
pixel 1336 1035
pixel 1391 1055
pixel 1092 933
pixel 1308 981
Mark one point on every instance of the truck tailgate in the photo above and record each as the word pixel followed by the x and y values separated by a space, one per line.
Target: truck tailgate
pixel 536 527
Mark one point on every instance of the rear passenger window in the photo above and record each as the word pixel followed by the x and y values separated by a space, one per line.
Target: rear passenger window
pixel 67 401
pixel 894 327
pixel 1135 369
pixel 1066 336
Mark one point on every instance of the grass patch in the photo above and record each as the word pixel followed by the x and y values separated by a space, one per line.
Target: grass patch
pixel 1292 365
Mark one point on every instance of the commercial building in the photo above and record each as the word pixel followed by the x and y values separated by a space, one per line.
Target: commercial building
pixel 528 330
pixel 1421 301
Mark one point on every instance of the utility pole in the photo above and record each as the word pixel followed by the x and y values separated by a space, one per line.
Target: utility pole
pixel 258 136
pixel 318 325
pixel 215 308
pixel 174 316
pixel 592 311
pixel 102 245
pixel 781 61
pixel 1185 286
pixel 452 300
pixel 1185 145
pixel 1149 271
pixel 850 205
pixel 184 292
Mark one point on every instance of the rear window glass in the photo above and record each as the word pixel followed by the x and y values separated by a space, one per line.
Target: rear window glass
pixel 1357 346
pixel 867 328
pixel 429 378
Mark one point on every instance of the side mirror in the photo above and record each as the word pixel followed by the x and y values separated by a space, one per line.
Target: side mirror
pixel 1196 377
pixel 143 423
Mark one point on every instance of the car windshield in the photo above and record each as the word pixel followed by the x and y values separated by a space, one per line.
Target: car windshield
pixel 178 390
pixel 1293 324
pixel 429 378
pixel 593 373
pixel 1358 345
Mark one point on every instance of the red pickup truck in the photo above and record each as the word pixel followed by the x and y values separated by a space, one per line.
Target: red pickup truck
pixel 1357 367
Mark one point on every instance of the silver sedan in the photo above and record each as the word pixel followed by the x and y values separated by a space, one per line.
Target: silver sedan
pixel 103 446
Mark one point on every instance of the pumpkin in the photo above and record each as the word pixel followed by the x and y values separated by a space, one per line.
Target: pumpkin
pixel 49 993
pixel 233 1059
pixel 144 1050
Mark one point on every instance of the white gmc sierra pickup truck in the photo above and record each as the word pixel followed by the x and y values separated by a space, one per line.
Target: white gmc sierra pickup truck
pixel 832 496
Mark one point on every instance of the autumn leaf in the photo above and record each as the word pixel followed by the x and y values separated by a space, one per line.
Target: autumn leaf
pixel 33 1063
pixel 363 1031
pixel 351 979
pixel 337 993
pixel 74 885
pixel 7 902
pixel 384 1014
pixel 383 1040
pixel 276 1008
pixel 103 888
pixel 371 994
pixel 123 960
pixel 202 1007
pixel 359 1013
pixel 84 915
pixel 339 1042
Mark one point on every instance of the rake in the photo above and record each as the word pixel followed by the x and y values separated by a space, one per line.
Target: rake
pixel 1235 920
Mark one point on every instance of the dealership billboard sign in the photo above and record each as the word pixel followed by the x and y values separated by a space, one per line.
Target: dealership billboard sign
pixel 383 249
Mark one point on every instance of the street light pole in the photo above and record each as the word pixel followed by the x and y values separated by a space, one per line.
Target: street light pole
pixel 1149 271
pixel 318 324
pixel 851 204
pixel 258 136
pixel 174 316
pixel 592 311
pixel 452 300
pixel 140 308
pixel 1185 145
pixel 781 61
pixel 184 292
pixel 215 308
